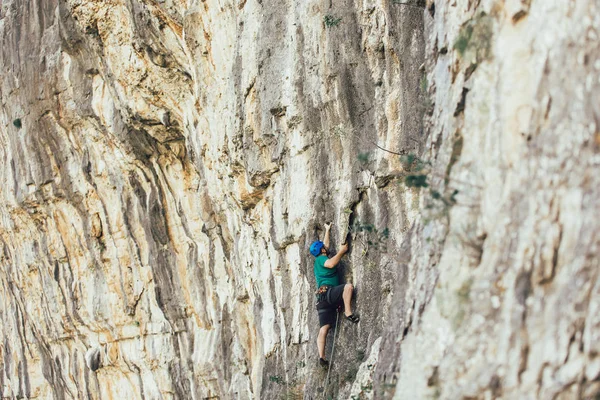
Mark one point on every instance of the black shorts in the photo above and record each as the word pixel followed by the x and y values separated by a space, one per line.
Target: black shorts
pixel 327 309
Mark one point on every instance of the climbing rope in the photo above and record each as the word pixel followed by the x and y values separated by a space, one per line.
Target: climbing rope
pixel 332 351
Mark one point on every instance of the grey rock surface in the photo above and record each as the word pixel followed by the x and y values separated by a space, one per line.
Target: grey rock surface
pixel 165 166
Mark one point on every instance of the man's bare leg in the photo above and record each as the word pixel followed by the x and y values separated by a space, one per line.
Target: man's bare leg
pixel 321 340
pixel 347 296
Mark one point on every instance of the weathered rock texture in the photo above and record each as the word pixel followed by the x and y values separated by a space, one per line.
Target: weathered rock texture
pixel 165 165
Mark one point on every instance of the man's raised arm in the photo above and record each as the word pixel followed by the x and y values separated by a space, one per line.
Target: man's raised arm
pixel 326 238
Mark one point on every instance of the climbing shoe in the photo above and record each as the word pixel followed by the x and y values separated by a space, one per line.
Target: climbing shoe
pixel 353 318
pixel 323 363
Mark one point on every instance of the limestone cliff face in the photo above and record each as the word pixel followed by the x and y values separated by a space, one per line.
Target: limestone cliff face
pixel 165 165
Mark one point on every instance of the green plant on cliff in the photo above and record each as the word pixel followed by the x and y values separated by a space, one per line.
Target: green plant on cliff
pixel 475 39
pixel 102 245
pixel 277 379
pixel 17 123
pixel 412 163
pixel 413 3
pixel 424 84
pixel 416 181
pixel 419 174
pixel 363 158
pixel 370 235
pixel 367 388
pixel 462 42
pixel 331 20
pixel 416 177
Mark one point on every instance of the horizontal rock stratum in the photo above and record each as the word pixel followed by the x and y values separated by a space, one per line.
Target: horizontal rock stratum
pixel 165 165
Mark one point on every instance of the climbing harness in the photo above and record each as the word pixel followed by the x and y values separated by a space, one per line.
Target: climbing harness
pixel 321 294
pixel 337 318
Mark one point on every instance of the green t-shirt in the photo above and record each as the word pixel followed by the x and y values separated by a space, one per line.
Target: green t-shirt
pixel 324 275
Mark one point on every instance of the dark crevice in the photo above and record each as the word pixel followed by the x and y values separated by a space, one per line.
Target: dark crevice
pixel 460 107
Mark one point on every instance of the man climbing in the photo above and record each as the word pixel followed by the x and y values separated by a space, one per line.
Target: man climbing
pixel 330 293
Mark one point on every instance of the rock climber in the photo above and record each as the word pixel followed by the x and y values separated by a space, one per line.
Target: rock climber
pixel 330 293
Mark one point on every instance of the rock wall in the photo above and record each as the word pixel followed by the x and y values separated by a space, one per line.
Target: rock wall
pixel 166 164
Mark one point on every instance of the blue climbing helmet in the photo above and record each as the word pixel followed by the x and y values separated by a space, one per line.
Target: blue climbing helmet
pixel 315 248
